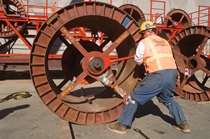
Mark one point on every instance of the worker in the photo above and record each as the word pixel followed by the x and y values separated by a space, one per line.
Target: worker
pixel 159 18
pixel 160 80
pixel 53 8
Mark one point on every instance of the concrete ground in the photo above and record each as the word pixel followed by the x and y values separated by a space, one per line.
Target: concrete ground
pixel 30 119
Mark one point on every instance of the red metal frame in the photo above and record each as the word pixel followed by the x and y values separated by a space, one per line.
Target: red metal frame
pixel 40 17
pixel 202 16
pixel 36 18
pixel 157 10
pixel 28 17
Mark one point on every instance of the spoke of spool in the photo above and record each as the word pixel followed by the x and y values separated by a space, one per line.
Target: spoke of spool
pixel 62 83
pixel 201 47
pixel 205 80
pixel 180 21
pixel 180 55
pixel 72 86
pixel 73 41
pixel 119 40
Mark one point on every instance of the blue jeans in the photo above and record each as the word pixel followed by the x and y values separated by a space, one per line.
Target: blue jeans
pixel 160 84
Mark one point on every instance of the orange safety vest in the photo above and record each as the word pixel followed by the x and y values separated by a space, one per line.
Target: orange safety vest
pixel 53 8
pixel 157 54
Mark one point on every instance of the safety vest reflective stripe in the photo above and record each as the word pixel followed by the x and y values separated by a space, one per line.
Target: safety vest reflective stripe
pixel 155 57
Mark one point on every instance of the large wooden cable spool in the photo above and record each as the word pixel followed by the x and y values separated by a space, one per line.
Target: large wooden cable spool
pixel 81 96
pixel 189 48
pixel 134 12
pixel 12 9
pixel 176 18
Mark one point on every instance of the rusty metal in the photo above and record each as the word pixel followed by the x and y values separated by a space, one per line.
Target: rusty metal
pixel 18 22
pixel 11 8
pixel 176 18
pixel 95 75
pixel 193 65
pixel 134 12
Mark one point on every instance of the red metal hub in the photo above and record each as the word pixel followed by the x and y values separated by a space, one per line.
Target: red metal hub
pixel 97 63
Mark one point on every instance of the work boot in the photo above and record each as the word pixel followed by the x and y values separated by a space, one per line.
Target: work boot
pixel 184 127
pixel 117 127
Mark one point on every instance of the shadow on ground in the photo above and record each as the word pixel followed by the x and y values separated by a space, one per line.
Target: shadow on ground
pixel 6 112
pixel 151 108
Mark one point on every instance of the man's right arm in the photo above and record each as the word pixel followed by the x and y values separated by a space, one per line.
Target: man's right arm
pixel 139 56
